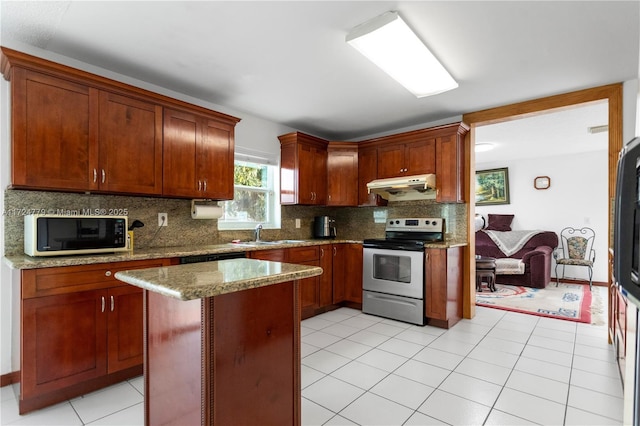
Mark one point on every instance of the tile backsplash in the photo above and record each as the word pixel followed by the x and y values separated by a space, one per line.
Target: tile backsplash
pixel 353 223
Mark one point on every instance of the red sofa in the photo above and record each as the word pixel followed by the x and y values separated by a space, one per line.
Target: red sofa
pixel 536 255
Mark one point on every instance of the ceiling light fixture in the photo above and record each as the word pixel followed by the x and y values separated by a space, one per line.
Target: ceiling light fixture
pixel 389 43
pixel 484 147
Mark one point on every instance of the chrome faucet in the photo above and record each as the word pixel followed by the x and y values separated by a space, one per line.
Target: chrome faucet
pixel 257 232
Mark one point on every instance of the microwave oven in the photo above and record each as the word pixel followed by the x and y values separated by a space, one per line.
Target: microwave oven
pixel 58 235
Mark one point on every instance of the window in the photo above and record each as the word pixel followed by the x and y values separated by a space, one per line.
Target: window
pixel 255 198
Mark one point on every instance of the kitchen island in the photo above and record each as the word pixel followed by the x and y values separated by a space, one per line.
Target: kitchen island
pixel 222 342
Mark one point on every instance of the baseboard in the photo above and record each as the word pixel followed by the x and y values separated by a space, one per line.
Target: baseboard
pixel 583 282
pixel 9 379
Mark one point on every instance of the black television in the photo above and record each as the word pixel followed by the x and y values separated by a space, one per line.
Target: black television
pixel 626 236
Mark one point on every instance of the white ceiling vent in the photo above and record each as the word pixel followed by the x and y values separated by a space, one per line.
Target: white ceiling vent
pixel 598 129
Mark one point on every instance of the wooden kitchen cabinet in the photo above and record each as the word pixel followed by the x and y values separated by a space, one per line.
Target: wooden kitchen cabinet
pixel 198 156
pixel 347 273
pixel 342 174
pixel 402 158
pixel 129 128
pixel 303 169
pixel 54 132
pixel 443 286
pixel 309 287
pixel 81 330
pixel 368 171
pixel 450 154
pixel 70 136
pixel 76 131
pixel 326 279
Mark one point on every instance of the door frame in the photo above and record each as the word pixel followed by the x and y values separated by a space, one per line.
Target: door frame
pixel 611 93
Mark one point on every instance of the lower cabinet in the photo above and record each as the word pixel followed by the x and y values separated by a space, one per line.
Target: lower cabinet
pixel 340 282
pixel 347 273
pixel 81 330
pixel 443 286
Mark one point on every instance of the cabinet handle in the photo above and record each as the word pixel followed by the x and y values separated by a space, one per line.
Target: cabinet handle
pixel 199 185
pixel 205 185
pixel 107 274
pixel 334 251
pixel 102 303
pixel 104 175
pixel 321 253
pixel 95 175
pixel 112 303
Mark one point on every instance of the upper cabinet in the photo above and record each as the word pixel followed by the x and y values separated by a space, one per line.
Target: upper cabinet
pixel 75 131
pixel 342 174
pixel 129 128
pixel 406 155
pixel 450 157
pixel 198 156
pixel 436 150
pixel 303 169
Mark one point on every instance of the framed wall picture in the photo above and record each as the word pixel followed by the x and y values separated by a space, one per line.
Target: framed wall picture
pixel 492 187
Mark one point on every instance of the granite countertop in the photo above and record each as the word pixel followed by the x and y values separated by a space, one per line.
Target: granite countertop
pixel 206 279
pixel 28 262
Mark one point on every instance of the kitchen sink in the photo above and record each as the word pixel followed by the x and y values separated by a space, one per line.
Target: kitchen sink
pixel 265 243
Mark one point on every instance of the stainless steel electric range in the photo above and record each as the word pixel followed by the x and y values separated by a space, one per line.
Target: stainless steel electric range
pixel 394 269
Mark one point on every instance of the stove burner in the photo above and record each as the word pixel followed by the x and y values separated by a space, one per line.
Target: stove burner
pixel 409 234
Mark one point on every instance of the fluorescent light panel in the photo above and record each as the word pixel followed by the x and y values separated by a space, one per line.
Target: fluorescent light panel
pixel 389 43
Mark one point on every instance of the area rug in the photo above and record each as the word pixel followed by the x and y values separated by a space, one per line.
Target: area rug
pixel 571 302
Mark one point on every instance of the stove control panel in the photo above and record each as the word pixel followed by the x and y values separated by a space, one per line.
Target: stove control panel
pixel 416 224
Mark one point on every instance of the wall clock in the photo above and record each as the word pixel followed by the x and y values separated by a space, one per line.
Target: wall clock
pixel 542 182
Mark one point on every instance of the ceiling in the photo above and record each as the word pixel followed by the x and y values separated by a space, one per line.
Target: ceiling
pixel 555 133
pixel 287 61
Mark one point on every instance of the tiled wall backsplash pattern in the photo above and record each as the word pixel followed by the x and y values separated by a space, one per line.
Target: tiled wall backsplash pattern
pixel 353 223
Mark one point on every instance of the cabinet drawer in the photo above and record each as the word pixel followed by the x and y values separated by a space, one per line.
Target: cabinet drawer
pixel 303 254
pixel 68 279
pixel 276 255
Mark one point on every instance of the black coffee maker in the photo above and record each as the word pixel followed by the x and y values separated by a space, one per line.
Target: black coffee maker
pixel 324 227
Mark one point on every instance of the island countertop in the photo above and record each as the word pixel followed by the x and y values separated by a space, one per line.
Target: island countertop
pixel 206 279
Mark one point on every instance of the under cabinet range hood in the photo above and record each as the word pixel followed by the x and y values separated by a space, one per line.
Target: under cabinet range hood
pixel 405 188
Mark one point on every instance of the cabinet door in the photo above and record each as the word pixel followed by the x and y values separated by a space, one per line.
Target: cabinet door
pixel 312 175
pixel 450 176
pixel 368 171
pixel 339 272
pixel 420 157
pixel 54 132
pixel 124 332
pixel 64 341
pixel 181 136
pixel 275 255
pixel 342 178
pixel 305 174
pixel 353 272
pixel 309 291
pixel 215 160
pixel 436 284
pixel 130 145
pixel 319 177
pixel 390 161
pixel 326 279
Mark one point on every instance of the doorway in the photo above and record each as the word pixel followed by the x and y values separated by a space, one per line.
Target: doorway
pixel 612 94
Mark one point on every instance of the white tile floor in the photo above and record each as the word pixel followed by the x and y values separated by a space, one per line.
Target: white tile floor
pixel 499 368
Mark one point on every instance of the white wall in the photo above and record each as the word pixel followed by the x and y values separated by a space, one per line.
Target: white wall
pixel 577 197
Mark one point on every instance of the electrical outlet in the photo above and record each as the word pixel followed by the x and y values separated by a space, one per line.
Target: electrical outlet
pixel 298 223
pixel 163 219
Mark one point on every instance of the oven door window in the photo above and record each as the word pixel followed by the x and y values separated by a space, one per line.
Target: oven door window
pixel 392 268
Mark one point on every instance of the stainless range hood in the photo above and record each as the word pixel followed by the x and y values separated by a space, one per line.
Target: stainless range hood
pixel 405 188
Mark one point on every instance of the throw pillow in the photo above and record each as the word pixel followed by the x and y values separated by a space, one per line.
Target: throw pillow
pixel 500 222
